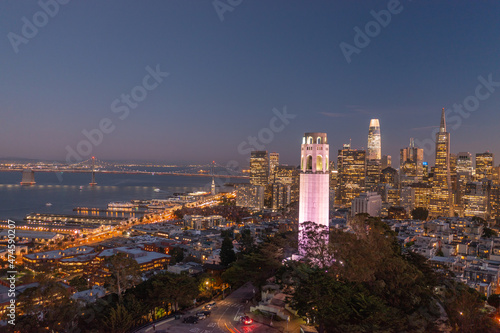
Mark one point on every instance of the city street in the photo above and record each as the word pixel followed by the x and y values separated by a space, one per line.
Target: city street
pixel 224 317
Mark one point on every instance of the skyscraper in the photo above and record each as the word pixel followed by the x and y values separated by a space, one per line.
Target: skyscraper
pixel 464 162
pixel 351 166
pixel 464 175
pixel 411 164
pixel 314 183
pixel 441 201
pixel 259 168
pixel 386 161
pixel 484 165
pixel 373 155
pixel 374 151
pixel 288 175
pixel 274 161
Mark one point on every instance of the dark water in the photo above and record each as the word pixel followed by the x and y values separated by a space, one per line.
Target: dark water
pixel 64 192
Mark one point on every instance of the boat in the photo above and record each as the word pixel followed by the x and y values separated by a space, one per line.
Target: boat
pixel 81 188
pixel 156 189
pixel 48 204
pixel 120 206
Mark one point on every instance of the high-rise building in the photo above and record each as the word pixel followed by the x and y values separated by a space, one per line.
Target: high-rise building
pixel 367 202
pixel 351 167
pixel 374 151
pixel 464 162
pixel 373 155
pixel 248 195
pixel 259 168
pixel 314 183
pixel 390 176
pixel 289 176
pixel 281 195
pixel 441 201
pixel 484 165
pixel 274 161
pixel 423 193
pixel 386 161
pixel 475 199
pixel 411 164
pixel 464 176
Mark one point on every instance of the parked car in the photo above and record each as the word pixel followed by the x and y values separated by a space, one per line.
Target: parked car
pixel 207 313
pixel 246 320
pixel 201 315
pixel 190 320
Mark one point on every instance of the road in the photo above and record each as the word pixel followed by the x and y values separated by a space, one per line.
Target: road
pixel 224 317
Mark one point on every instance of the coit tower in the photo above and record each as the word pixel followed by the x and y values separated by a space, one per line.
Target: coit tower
pixel 314 182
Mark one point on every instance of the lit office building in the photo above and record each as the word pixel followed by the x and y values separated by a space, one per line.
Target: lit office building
pixel 373 155
pixel 386 161
pixel 411 164
pixel 441 201
pixel 423 193
pixel 465 172
pixel 281 195
pixel 389 176
pixel 351 167
pixel 475 199
pixel 484 165
pixel 274 161
pixel 248 195
pixel 314 183
pixel 494 202
pixel 259 168
pixel 288 175
pixel 408 199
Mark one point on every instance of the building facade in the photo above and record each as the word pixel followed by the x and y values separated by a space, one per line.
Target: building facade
pixel 259 168
pixel 441 201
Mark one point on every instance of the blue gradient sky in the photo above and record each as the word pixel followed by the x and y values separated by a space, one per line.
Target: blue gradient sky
pixel 226 77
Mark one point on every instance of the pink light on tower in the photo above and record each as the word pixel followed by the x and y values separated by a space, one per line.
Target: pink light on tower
pixel 314 183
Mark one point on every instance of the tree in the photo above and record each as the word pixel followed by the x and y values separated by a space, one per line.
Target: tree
pixel 79 282
pixel 53 307
pixel 176 255
pixel 376 288
pixel 464 307
pixel 227 255
pixel 314 244
pixel 125 272
pixel 494 300
pixel 119 320
pixel 256 267
pixel 420 213
pixel 176 289
pixel 246 240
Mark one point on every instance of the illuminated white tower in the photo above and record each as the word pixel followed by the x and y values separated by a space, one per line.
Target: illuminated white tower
pixel 314 183
pixel 374 151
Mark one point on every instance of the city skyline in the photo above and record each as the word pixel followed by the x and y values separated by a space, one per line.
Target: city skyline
pixel 63 81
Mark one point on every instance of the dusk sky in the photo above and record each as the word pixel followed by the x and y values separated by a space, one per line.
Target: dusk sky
pixel 226 76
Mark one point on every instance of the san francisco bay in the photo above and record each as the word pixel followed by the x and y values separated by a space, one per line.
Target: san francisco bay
pixel 63 192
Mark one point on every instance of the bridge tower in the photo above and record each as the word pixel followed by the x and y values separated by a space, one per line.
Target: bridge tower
pixel 213 180
pixel 93 182
pixel 28 177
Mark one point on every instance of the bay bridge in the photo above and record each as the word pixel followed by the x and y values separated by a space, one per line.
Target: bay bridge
pixel 94 166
